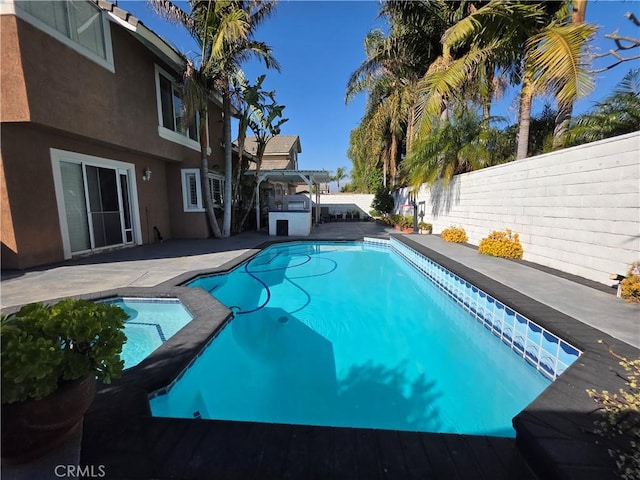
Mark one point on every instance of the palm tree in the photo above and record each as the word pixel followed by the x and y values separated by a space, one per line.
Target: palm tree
pixel 341 174
pixel 265 121
pixel 565 110
pixel 197 87
pixel 224 29
pixel 389 74
pixel 365 175
pixel 617 114
pixel 233 25
pixel 544 52
pixel 457 144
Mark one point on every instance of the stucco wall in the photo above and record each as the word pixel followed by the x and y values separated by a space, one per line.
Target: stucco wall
pixel 577 210
pixel 31 232
pixel 346 202
pixel 54 97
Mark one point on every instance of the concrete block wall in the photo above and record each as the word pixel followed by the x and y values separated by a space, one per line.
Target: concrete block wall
pixel 577 210
pixel 346 202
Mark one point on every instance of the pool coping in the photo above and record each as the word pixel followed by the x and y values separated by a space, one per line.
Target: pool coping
pixel 552 432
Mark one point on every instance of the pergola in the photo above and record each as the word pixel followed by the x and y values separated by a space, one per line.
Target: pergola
pixel 296 177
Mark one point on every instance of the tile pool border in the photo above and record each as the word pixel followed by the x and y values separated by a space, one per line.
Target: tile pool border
pixel 552 432
pixel 528 340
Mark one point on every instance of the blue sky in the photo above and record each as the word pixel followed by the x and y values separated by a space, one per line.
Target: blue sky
pixel 320 43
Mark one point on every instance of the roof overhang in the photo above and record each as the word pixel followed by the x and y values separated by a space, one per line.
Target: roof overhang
pixel 151 40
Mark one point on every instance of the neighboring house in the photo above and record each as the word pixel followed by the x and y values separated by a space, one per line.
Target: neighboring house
pixel 281 152
pixel 94 155
pixel 322 188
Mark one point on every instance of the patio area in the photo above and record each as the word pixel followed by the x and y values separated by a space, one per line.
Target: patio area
pixel 121 436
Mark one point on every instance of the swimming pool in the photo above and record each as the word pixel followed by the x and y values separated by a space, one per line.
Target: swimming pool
pixel 151 322
pixel 353 334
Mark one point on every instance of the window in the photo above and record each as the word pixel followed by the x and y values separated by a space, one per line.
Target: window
pixel 77 23
pixel 192 191
pixel 171 124
pixel 216 183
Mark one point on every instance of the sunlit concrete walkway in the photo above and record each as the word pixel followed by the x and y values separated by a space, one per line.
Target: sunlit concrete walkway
pixel 594 307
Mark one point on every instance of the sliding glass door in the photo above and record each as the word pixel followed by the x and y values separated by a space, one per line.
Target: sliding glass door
pixel 97 205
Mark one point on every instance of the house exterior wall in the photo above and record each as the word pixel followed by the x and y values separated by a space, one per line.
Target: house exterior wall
pixel 13 94
pixel 52 97
pixel 276 162
pixel 576 210
pixel 69 92
pixel 27 166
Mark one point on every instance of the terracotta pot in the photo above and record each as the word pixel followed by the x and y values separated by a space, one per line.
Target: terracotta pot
pixel 33 428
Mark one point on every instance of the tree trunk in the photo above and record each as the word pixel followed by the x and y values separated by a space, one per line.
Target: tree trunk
pixel 258 160
pixel 526 97
pixel 240 169
pixel 410 123
pixel 565 111
pixel 228 164
pixel 204 181
pixel 562 124
pixel 393 154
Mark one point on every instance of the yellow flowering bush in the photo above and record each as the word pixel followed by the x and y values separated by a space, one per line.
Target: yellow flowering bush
pixel 454 234
pixel 621 419
pixel 630 286
pixel 501 244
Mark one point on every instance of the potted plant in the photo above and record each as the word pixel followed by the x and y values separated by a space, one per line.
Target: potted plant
pixel 51 356
pixel 407 224
pixel 425 228
pixel 279 204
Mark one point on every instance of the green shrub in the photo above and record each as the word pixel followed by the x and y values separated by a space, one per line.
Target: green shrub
pixel 621 419
pixel 454 234
pixel 630 286
pixel 44 345
pixel 383 200
pixel 501 244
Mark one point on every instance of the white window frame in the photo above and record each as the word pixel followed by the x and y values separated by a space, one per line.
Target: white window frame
pixel 107 63
pixel 219 178
pixel 62 155
pixel 186 200
pixel 172 135
pixel 199 205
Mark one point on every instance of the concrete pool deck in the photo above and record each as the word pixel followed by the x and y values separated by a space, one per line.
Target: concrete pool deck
pixel 288 450
pixel 150 265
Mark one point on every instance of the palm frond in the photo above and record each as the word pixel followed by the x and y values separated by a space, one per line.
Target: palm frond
pixel 558 60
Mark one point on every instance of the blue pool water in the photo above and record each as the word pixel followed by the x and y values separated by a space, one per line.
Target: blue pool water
pixel 347 334
pixel 151 322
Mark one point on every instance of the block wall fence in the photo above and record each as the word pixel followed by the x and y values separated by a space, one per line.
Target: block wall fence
pixel 346 202
pixel 576 210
